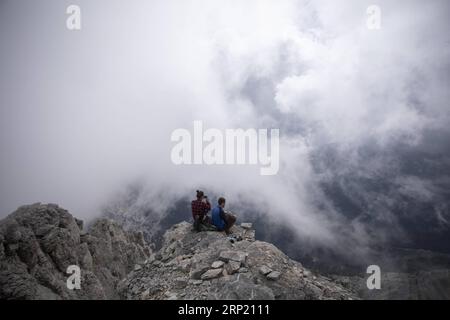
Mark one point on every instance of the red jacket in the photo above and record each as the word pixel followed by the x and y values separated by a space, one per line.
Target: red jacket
pixel 200 208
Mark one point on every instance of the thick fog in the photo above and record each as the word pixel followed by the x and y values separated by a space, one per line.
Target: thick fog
pixel 84 113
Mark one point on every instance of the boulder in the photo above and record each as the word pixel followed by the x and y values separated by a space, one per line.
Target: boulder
pixel 233 255
pixel 217 264
pixel 246 225
pixel 274 275
pixel 211 274
pixel 232 267
pixel 265 270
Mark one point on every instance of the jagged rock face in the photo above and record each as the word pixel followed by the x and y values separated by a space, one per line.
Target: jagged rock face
pixel 207 265
pixel 38 242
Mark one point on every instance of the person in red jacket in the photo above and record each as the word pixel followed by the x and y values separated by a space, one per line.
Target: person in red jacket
pixel 200 208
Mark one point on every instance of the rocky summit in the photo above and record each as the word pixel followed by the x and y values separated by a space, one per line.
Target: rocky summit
pixel 39 242
pixel 210 265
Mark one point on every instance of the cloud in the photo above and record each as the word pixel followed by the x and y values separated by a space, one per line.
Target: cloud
pixel 85 113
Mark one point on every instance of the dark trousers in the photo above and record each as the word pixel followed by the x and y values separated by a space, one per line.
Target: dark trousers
pixel 200 219
pixel 229 221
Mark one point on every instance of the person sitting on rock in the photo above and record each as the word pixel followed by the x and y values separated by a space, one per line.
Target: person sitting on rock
pixel 221 219
pixel 200 208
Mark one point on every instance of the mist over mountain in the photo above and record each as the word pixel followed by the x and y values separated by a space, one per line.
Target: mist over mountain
pixel 86 118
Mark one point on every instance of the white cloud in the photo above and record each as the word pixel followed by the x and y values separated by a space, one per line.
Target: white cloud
pixel 85 113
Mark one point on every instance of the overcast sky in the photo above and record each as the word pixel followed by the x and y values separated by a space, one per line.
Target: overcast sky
pixel 84 113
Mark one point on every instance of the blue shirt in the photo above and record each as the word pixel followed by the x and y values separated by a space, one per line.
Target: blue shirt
pixel 217 218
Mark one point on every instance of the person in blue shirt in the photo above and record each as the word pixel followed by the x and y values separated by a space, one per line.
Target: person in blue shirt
pixel 221 219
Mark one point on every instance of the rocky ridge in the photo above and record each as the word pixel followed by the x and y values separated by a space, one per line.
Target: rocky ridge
pixel 39 242
pixel 208 265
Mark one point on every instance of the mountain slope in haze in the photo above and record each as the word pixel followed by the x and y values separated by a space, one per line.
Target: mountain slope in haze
pixel 132 211
pixel 408 274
